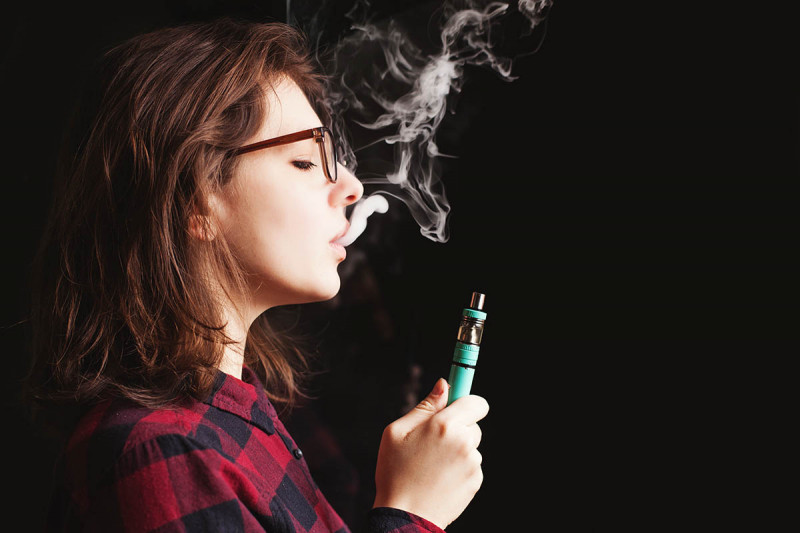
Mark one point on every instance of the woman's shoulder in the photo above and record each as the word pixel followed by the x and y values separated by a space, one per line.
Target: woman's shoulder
pixel 112 428
pixel 114 439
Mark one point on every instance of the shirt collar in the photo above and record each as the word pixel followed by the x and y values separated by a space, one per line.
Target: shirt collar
pixel 244 398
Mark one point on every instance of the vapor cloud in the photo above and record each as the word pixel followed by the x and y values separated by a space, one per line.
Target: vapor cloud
pixel 397 93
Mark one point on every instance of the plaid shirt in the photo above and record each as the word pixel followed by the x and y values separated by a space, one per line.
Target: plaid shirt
pixel 226 464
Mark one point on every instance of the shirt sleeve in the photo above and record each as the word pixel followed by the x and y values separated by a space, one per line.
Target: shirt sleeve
pixel 169 483
pixel 389 520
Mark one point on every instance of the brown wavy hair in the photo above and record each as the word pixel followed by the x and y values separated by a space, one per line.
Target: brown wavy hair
pixel 121 304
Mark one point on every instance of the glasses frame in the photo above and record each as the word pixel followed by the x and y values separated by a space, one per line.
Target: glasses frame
pixel 318 134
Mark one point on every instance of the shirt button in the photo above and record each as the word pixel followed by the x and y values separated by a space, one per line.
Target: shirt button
pixel 298 454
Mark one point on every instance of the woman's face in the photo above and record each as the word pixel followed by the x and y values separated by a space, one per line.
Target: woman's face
pixel 279 212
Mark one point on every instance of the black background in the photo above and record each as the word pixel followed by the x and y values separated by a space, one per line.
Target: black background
pixel 625 205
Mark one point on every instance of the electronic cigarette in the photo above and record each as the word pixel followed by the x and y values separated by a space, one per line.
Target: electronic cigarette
pixel 468 344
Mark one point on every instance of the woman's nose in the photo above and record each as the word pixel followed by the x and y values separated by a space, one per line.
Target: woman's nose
pixel 348 188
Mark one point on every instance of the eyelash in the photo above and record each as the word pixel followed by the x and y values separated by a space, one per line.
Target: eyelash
pixel 304 165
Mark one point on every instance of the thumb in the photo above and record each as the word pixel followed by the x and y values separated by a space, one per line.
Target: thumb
pixel 434 402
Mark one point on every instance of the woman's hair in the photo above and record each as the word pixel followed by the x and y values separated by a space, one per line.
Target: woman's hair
pixel 122 304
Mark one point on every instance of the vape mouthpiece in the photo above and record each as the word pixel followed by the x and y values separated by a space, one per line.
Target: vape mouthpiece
pixel 476 302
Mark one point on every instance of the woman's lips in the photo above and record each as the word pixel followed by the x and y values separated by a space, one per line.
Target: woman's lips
pixel 339 236
pixel 339 250
pixel 337 247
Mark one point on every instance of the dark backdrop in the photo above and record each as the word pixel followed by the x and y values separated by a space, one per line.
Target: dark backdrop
pixel 625 205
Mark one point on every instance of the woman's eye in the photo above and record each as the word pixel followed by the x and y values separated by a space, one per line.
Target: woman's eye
pixel 303 165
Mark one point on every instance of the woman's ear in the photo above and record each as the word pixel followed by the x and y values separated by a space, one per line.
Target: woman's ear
pixel 202 228
pixel 208 218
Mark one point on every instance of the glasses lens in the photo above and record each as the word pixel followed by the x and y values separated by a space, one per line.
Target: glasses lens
pixel 330 154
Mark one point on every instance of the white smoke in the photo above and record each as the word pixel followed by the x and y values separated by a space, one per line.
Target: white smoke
pixel 386 84
pixel 358 219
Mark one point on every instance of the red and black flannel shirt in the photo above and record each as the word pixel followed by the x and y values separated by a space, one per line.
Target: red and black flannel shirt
pixel 226 464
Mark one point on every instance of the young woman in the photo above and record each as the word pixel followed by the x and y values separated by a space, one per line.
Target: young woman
pixel 207 191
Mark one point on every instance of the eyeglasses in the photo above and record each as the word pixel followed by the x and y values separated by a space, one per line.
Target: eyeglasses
pixel 323 137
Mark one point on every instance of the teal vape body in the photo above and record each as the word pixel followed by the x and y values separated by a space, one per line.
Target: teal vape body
pixel 468 345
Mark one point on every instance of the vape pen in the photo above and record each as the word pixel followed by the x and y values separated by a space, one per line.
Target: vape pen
pixel 468 344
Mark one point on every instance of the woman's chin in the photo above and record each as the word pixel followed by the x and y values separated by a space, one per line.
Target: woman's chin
pixel 319 290
pixel 322 293
pixel 332 291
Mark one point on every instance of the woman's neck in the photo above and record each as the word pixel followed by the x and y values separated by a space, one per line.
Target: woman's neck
pixel 236 328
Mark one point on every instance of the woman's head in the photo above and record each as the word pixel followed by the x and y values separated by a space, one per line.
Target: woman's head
pixel 282 210
pixel 145 243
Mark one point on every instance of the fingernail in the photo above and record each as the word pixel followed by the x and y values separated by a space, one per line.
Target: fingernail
pixel 440 387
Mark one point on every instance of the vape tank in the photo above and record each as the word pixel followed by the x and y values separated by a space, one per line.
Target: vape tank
pixel 468 344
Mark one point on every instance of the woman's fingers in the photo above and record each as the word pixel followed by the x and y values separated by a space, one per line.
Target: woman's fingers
pixel 475 435
pixel 465 411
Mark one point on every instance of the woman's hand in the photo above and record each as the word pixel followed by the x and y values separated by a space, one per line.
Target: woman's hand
pixel 428 461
